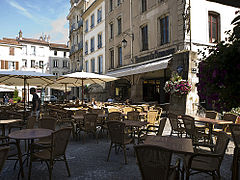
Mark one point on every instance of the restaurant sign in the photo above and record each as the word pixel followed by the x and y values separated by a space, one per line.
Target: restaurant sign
pixel 154 55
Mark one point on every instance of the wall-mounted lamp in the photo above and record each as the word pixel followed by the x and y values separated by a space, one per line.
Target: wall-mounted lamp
pixel 124 43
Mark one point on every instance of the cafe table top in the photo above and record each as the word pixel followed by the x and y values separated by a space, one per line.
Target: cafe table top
pixel 30 133
pixel 174 144
pixel 9 121
pixel 212 121
pixel 71 109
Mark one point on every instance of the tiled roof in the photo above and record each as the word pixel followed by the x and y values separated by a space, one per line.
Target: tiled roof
pixel 9 41
pixel 54 45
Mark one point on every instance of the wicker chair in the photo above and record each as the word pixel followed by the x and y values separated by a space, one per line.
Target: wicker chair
pixel 176 125
pixel 3 156
pixel 118 137
pixel 152 130
pixel 47 123
pixel 192 131
pixel 154 163
pixel 207 162
pixel 133 115
pixel 90 124
pixel 55 151
pixel 235 130
pixel 152 117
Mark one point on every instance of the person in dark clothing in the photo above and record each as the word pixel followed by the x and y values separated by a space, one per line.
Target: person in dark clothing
pixel 36 102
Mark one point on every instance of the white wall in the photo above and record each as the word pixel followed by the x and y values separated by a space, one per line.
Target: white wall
pixel 98 28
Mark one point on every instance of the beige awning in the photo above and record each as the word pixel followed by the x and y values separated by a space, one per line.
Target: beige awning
pixel 143 68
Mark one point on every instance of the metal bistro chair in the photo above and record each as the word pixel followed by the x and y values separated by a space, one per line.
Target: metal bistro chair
pixel 118 137
pixel 133 115
pixel 235 131
pixel 154 163
pixel 56 151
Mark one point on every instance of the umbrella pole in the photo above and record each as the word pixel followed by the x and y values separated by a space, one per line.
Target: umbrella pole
pixel 66 92
pixel 24 104
pixel 82 91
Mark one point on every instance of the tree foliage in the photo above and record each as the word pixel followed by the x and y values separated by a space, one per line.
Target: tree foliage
pixel 219 73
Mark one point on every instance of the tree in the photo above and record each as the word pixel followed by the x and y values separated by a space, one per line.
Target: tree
pixel 219 73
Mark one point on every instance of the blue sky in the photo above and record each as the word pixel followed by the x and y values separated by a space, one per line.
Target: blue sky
pixel 34 18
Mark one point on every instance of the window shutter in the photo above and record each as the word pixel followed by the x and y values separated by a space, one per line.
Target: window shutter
pixel 6 64
pixel 2 64
pixel 17 65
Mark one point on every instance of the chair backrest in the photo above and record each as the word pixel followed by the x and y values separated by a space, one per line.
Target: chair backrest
pixel 152 116
pixel 133 115
pixel 98 111
pixel 31 122
pixel 230 117
pixel 3 156
pixel 161 126
pixel 125 110
pixel 153 161
pixel 80 112
pixel 48 122
pixel 115 116
pixel 60 140
pixel 235 130
pixel 173 118
pixel 189 125
pixel 221 143
pixel 90 121
pixel 116 131
pixel 211 114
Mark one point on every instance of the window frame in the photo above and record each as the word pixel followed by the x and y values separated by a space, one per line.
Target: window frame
pixel 119 22
pixel 120 60
pixel 164 30
pixel 92 21
pixel 111 58
pixel 145 44
pixel 92 45
pixel 100 64
pixel 216 15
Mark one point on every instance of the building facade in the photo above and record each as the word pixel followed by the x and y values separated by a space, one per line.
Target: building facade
pixel 39 55
pixel 143 38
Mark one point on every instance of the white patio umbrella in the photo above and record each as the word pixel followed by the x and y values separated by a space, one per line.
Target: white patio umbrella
pixel 83 78
pixel 21 78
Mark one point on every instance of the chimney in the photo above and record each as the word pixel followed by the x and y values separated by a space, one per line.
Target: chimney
pixel 20 35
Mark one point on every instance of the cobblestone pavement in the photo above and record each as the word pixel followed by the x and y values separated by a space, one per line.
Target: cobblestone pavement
pixel 88 161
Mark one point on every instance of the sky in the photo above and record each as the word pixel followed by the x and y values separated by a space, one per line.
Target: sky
pixel 35 18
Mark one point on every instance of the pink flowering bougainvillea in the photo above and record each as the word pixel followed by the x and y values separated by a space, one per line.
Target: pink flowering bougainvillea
pixel 177 86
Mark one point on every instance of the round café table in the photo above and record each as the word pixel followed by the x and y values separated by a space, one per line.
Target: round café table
pixel 28 134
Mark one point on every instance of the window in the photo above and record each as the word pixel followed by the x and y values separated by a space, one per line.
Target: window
pixel 92 21
pixel 92 44
pixel 11 65
pixel 164 30
pixel 110 5
pixel 24 63
pixel 119 21
pixel 65 64
pixel 86 47
pixel 41 64
pixel 213 23
pixel 144 5
pixel 111 31
pixel 93 65
pixel 86 26
pixel 111 58
pixel 11 51
pixel 120 56
pixel 144 31
pixel 55 63
pixel 118 2
pixel 86 63
pixel 33 50
pixel 32 63
pixel 99 15
pixel 64 54
pixel 41 51
pixel 24 50
pixel 99 40
pixel 100 64
pixel 55 53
